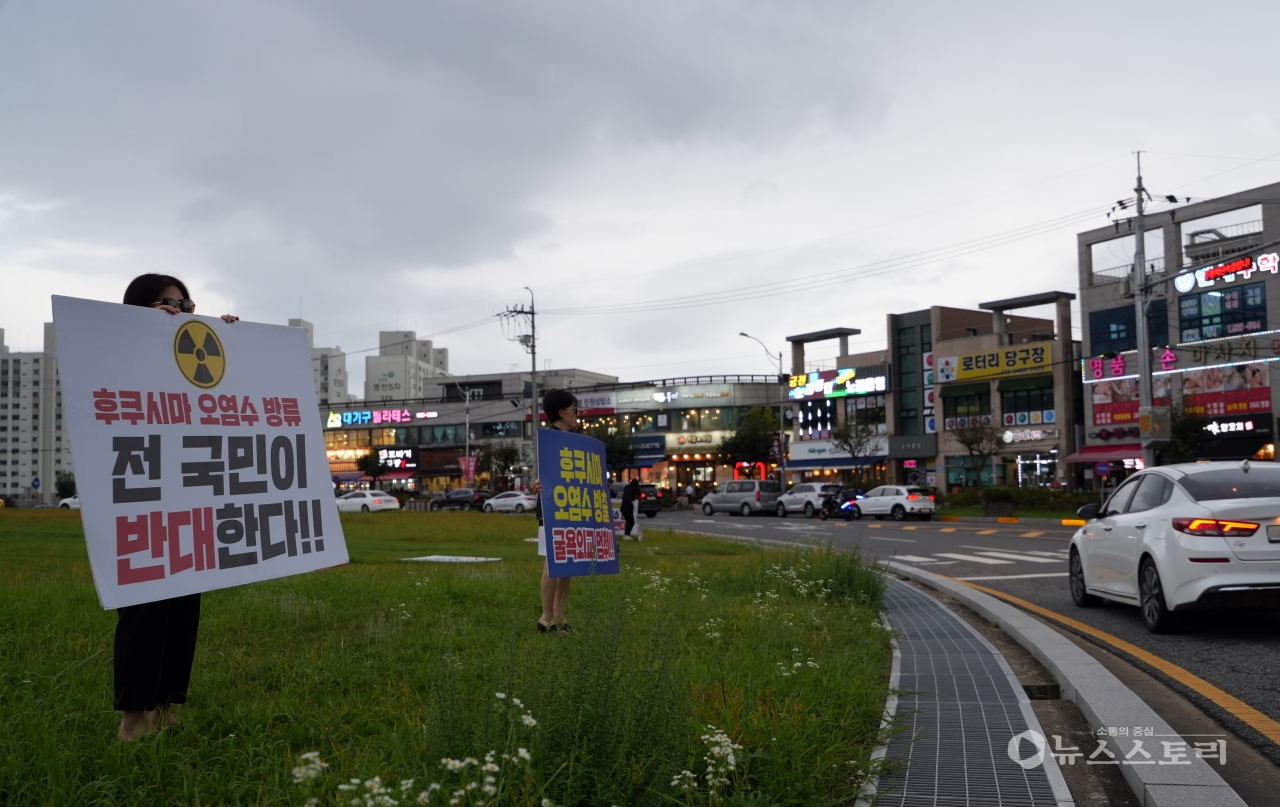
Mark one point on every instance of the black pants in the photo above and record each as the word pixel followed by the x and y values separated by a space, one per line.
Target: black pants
pixel 629 515
pixel 155 645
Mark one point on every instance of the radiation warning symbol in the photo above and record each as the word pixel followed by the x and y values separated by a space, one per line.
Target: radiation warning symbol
pixel 199 354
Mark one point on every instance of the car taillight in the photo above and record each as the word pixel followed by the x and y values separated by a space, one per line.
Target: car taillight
pixel 1213 527
pixel 644 495
pixel 757 495
pixel 930 497
pixel 911 497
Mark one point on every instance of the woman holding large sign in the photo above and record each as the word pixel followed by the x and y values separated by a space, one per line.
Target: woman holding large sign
pixel 561 408
pixel 155 642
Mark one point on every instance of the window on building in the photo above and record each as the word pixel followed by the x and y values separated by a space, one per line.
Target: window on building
pixel 1213 314
pixel 816 419
pixel 909 411
pixel 926 338
pixel 866 410
pixel 959 406
pixel 1026 400
pixel 908 361
pixel 505 428
pixel 1113 330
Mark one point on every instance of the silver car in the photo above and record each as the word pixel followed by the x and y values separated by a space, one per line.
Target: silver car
pixel 745 496
pixel 804 498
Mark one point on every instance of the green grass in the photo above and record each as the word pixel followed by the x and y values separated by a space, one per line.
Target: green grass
pixel 386 667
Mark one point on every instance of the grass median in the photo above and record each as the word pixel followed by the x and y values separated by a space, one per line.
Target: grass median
pixel 706 673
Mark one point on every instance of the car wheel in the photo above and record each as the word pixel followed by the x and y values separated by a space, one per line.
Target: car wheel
pixel 1079 593
pixel 519 508
pixel 782 510
pixel 466 506
pixel 808 509
pixel 854 513
pixel 65 506
pixel 745 509
pixel 364 508
pixel 708 510
pixel 822 514
pixel 488 508
pixel 899 513
pixel 1155 614
pixel 433 507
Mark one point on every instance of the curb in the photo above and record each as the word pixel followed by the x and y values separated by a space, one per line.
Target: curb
pixel 1098 693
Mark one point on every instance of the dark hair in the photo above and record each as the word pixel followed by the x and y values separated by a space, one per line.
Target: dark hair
pixel 145 289
pixel 554 400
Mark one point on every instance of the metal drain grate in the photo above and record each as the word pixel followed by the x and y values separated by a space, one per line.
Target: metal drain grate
pixel 959 708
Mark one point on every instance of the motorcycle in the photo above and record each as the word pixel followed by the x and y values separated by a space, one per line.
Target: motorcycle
pixel 830 506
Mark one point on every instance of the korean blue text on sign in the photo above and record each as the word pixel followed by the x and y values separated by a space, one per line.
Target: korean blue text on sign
pixel 577 519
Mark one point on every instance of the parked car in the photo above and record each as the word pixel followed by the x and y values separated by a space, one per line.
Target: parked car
pixel 744 496
pixel 649 502
pixel 513 501
pixel 900 502
pixel 365 501
pixel 804 498
pixel 72 503
pixel 462 499
pixel 1180 538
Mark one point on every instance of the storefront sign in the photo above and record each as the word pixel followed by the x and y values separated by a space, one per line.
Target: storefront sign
pixel 1206 276
pixel 345 454
pixel 838 383
pixel 596 403
pixel 198 451
pixel 1005 361
pixel 425 415
pixel 374 417
pixel 1029 418
pixel 1029 435
pixel 652 398
pixel 1240 426
pixel 400 459
pixel 918 446
pixel 440 462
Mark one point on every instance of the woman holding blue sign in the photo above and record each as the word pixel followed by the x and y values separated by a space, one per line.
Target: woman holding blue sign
pixel 561 409
pixel 155 642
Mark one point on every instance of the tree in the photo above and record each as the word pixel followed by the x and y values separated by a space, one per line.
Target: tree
pixel 983 441
pixel 752 441
pixel 1188 437
pixel 619 452
pixel 371 465
pixel 65 484
pixel 861 441
pixel 499 459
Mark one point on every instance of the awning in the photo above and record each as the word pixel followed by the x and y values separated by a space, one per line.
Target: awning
pixel 1123 451
pixel 832 463
pixel 347 476
pixel 391 476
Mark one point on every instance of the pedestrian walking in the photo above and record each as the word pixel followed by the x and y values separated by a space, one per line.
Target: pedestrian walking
pixel 629 495
pixel 155 642
pixel 561 409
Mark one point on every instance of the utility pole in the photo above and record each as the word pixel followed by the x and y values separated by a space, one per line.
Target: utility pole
pixel 1140 317
pixel 530 342
pixel 467 393
pixel 782 418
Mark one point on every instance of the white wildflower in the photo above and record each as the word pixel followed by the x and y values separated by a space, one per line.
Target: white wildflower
pixel 405 785
pixel 312 766
pixel 500 695
pixel 524 754
pixel 528 720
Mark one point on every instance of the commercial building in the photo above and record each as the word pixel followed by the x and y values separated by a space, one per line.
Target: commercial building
pixel 403 368
pixel 33 448
pixel 1213 273
pixel 328 366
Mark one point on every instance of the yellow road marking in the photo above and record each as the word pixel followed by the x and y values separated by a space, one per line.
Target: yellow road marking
pixel 986 532
pixel 874 526
pixel 1031 534
pixel 948 529
pixel 910 528
pixel 838 524
pixel 1239 709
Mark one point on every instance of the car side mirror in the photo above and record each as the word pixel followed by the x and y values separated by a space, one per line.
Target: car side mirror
pixel 1089 512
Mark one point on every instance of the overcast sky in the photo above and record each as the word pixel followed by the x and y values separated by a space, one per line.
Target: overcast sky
pixel 417 164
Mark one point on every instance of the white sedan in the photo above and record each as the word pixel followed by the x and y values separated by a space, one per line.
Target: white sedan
pixel 1182 537
pixel 72 503
pixel 513 501
pixel 899 502
pixel 364 501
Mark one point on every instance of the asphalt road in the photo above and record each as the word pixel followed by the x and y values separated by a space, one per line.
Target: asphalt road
pixel 1238 652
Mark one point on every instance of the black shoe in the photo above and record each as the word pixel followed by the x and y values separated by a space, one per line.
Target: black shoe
pixel 544 629
pixel 565 628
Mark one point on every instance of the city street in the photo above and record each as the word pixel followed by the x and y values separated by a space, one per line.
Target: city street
pixel 1231 650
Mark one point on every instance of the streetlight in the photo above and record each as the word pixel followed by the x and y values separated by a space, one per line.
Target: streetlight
pixel 782 419
pixel 466 393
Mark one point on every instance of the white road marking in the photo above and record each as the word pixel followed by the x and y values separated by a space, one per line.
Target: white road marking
pixel 1029 559
pixel 1058 554
pixel 913 558
pixel 1015 576
pixel 973 558
pixel 895 540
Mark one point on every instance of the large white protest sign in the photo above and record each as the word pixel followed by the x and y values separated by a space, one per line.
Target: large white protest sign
pixel 199 457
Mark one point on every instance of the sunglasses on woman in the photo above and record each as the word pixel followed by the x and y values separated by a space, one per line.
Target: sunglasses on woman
pixel 184 305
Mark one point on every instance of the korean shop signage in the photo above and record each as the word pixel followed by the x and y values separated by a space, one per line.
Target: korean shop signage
pixel 838 383
pixel 371 417
pixel 193 480
pixel 404 458
pixel 1206 276
pixel 1005 361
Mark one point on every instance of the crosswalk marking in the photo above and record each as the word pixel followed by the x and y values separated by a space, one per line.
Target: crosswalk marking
pixel 1032 534
pixel 973 558
pixel 986 532
pixel 911 528
pixel 913 558
pixel 874 526
pixel 948 529
pixel 1058 554
pixel 1011 556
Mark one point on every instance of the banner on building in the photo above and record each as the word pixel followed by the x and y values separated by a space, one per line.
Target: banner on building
pixel 576 510
pixel 198 451
pixel 1036 357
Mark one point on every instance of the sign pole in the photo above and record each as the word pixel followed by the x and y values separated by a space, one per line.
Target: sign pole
pixel 1140 311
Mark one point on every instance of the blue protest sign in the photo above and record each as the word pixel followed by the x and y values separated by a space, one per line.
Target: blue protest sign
pixel 576 515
